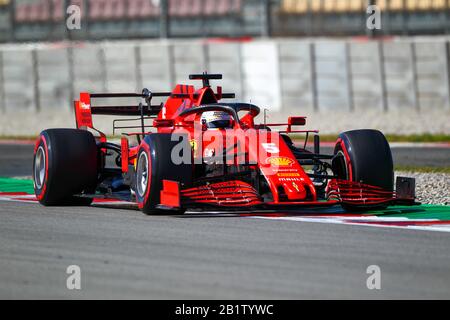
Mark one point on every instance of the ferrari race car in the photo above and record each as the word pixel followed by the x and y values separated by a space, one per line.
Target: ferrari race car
pixel 197 151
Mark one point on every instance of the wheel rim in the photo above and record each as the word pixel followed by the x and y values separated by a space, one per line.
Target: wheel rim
pixel 39 168
pixel 142 174
pixel 342 165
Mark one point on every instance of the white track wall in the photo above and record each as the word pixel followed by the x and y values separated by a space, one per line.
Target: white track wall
pixel 283 75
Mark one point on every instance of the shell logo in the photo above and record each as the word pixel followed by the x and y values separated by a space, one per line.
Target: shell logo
pixel 280 161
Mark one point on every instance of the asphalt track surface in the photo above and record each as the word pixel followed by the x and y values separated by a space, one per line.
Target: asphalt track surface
pixel 125 254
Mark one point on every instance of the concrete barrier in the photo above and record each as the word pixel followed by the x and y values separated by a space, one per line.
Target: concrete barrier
pixel 2 85
pixel 187 58
pixel 89 68
pixel 341 79
pixel 260 72
pixel 400 75
pixel 366 76
pixel 296 75
pixel 225 58
pixel 155 69
pixel 120 62
pixel 432 75
pixel 332 76
pixel 20 79
pixel 54 78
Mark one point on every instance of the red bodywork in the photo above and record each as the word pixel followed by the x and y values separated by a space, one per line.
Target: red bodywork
pixel 288 182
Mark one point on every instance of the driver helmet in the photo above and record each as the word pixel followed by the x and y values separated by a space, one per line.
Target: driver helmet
pixel 216 119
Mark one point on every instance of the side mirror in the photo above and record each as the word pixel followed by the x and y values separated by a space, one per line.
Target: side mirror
pixel 295 121
pixel 163 123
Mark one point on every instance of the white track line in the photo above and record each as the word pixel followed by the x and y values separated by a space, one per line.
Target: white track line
pixel 360 222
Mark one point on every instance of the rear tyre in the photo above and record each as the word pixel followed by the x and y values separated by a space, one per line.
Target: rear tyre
pixel 364 156
pixel 64 166
pixel 154 164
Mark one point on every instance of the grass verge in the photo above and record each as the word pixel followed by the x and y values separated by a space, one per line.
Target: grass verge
pixel 422 169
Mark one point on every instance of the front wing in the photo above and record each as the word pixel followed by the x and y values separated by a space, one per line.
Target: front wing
pixel 238 194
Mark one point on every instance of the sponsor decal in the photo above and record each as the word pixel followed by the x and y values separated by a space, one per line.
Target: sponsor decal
pixel 286 169
pixel 83 114
pixel 295 186
pixel 289 179
pixel 288 174
pixel 280 161
pixel 270 147
pixel 85 106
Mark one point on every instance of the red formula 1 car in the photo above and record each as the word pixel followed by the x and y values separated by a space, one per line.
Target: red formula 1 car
pixel 203 152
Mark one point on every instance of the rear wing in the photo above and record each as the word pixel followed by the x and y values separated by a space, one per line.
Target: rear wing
pixel 84 108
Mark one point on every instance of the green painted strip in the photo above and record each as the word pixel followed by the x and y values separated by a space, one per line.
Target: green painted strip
pixel 425 211
pixel 16 185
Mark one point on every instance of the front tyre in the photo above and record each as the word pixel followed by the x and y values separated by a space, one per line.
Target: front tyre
pixel 153 165
pixel 364 156
pixel 64 166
